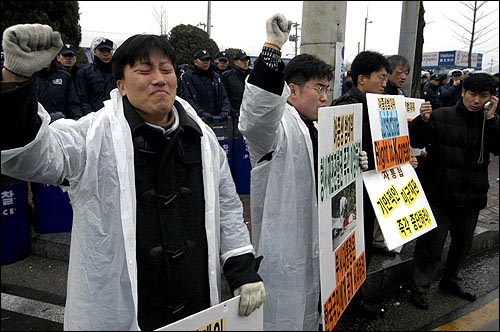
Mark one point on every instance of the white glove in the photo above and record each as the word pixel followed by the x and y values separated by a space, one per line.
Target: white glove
pixel 363 160
pixel 30 47
pixel 278 29
pixel 252 297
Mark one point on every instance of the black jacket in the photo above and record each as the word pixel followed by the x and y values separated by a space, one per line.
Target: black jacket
pixel 234 83
pixel 94 82
pixel 355 96
pixel 431 95
pixel 391 89
pixel 204 91
pixel 56 92
pixel 450 94
pixel 457 157
pixel 172 270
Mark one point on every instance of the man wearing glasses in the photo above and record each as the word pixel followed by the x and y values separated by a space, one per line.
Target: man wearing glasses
pixel 278 111
pixel 369 72
pixel 398 74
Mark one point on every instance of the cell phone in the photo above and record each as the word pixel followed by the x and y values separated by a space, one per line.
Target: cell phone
pixel 487 106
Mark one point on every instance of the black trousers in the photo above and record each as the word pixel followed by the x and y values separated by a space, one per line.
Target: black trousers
pixel 429 247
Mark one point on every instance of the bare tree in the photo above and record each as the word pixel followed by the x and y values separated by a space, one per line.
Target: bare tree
pixel 474 31
pixel 162 18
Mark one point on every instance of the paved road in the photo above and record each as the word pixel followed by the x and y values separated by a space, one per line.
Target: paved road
pixel 34 289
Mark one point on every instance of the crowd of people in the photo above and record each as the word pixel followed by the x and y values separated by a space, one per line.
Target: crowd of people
pixel 444 90
pixel 156 215
pixel 212 86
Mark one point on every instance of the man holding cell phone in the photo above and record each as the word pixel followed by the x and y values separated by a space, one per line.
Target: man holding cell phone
pixel 458 140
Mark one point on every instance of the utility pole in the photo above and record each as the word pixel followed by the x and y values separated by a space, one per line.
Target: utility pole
pixel 295 37
pixel 209 17
pixel 408 38
pixel 323 34
pixel 366 25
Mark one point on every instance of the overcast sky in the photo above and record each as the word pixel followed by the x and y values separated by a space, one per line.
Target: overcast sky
pixel 241 24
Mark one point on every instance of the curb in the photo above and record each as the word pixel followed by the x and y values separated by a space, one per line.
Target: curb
pixel 387 273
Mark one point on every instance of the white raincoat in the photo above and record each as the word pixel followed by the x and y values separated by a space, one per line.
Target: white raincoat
pixel 96 155
pixel 284 209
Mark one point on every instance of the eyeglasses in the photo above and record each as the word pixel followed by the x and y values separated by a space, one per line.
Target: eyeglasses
pixel 323 89
pixel 382 79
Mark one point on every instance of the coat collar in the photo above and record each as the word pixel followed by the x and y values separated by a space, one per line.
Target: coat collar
pixel 136 122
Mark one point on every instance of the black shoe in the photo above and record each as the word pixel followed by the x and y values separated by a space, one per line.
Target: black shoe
pixel 367 310
pixel 457 290
pixel 419 300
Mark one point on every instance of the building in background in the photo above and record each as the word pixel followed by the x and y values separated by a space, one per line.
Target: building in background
pixel 442 62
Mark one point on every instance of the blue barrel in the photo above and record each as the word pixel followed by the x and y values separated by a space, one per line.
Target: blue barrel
pixel 224 132
pixel 53 211
pixel 242 165
pixel 16 243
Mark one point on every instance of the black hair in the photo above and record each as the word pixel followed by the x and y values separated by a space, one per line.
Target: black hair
pixel 366 63
pixel 480 82
pixel 305 67
pixel 397 60
pixel 140 48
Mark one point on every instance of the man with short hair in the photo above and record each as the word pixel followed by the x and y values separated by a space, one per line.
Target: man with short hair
pixel 278 115
pixel 156 213
pixel 370 72
pixel 459 140
pixel 95 81
pixel 398 74
pixel 203 89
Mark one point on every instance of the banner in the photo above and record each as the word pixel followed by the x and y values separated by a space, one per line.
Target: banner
pixel 401 207
pixel 389 129
pixel 402 210
pixel 221 317
pixel 412 106
pixel 340 209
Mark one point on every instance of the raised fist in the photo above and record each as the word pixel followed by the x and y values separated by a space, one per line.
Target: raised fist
pixel 29 48
pixel 278 29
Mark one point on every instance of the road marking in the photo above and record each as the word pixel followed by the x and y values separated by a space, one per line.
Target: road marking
pixel 33 308
pixel 473 320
